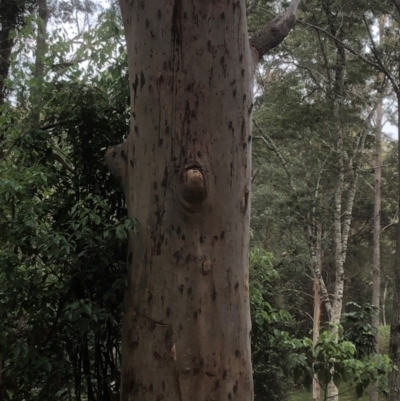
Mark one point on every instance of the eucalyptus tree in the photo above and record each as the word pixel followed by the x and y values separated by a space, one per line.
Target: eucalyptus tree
pixel 185 169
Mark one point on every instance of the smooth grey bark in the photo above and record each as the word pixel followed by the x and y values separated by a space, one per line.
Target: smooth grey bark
pixel 376 262
pixel 316 387
pixel 394 343
pixel 273 33
pixel 186 173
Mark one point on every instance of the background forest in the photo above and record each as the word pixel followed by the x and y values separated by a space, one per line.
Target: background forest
pixel 324 142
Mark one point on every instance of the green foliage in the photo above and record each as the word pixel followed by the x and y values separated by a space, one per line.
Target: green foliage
pixel 337 360
pixel 357 328
pixel 63 225
pixel 384 336
pixel 269 325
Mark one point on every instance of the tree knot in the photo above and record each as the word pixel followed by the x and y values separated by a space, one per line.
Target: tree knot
pixel 194 185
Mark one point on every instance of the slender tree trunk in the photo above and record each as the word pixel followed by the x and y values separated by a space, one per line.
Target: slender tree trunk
pixel 40 52
pixel 383 303
pixel 186 174
pixel 316 388
pixel 376 263
pixel 394 345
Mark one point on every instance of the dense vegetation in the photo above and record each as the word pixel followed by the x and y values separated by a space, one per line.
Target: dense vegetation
pixel 64 226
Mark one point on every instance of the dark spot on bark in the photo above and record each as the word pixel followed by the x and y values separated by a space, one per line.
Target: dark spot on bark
pixel 178 256
pixel 195 315
pixel 133 114
pixel 114 154
pixel 168 311
pixel 249 138
pixel 176 28
pixel 183 237
pixel 142 80
pixel 156 198
pixel 160 397
pixel 189 291
pixel 224 374
pixel 214 293
pixel 168 335
pixel 222 15
pixel 133 341
pixel 130 258
pixel 149 298
pixel 181 289
pixel 163 385
pixel 244 97
pixel 216 385
pixel 234 93
pixel 164 182
pixel 131 163
pixel 155 186
pixel 162 300
pixel 215 237
pixel 147 23
pixel 156 355
pixel 236 286
pixel 152 325
pixel 135 86
pixel 199 311
pixel 229 396
pixel 251 108
pixel 136 129
pixel 199 153
pixel 178 230
pixel 142 4
pixel 237 353
pixel 160 241
pixel 160 141
pixel 222 235
pixel 242 72
pixel 151 388
pixel 201 239
pixel 235 387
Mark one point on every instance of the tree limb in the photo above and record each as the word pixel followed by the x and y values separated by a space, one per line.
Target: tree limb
pixel 355 53
pixel 271 145
pixel 273 33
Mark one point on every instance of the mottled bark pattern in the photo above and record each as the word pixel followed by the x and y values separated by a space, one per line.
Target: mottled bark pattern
pixel 186 325
pixel 394 345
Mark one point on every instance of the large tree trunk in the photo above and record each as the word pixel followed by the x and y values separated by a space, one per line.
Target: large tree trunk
pixel 186 174
pixel 394 344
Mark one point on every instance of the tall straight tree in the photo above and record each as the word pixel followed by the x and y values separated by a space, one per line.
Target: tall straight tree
pixel 376 261
pixel 185 169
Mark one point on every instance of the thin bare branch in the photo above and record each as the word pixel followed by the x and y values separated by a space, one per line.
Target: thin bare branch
pixel 355 53
pixel 271 145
